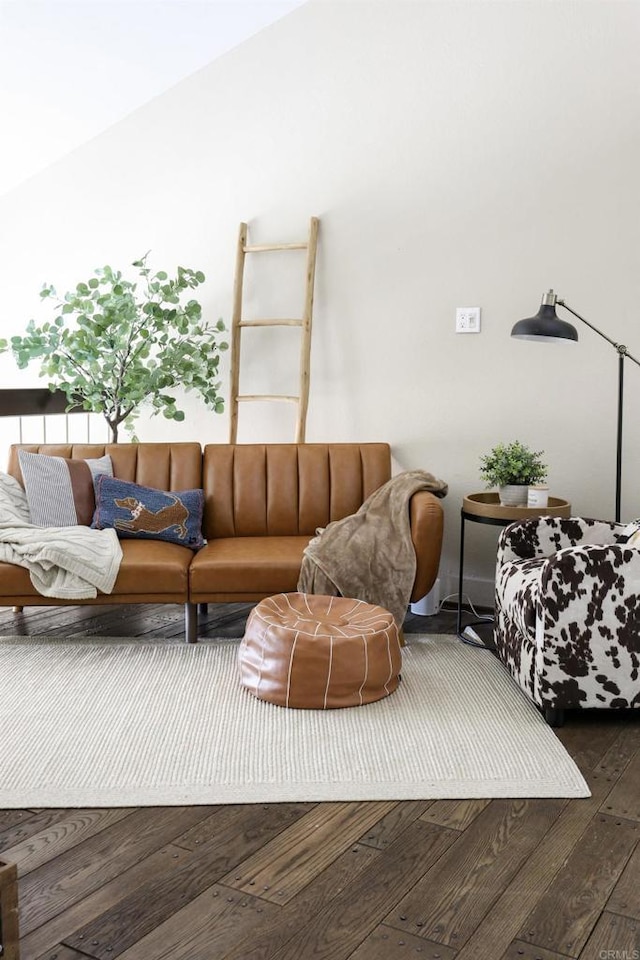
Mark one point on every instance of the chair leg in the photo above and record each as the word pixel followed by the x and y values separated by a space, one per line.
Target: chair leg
pixel 203 608
pixel 191 622
pixel 554 717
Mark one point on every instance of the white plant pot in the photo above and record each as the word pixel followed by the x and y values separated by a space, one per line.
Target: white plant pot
pixel 514 494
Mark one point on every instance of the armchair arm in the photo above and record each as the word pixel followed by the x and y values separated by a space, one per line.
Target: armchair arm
pixel 427 519
pixel 588 627
pixel 542 536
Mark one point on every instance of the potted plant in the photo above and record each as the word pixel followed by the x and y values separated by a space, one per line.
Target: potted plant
pixel 512 467
pixel 115 344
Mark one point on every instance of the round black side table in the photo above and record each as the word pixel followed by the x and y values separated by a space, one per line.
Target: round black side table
pixel 486 508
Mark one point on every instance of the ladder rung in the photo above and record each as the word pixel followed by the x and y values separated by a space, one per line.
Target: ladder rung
pixel 261 247
pixel 271 323
pixel 268 396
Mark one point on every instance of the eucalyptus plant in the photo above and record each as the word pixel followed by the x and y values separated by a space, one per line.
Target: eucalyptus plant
pixel 512 463
pixel 114 345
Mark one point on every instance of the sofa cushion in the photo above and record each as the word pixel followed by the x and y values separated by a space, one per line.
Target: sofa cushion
pixel 60 491
pixel 145 513
pixel 153 568
pixel 15 582
pixel 147 570
pixel 251 565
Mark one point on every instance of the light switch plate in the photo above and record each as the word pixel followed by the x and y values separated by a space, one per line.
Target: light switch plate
pixel 467 319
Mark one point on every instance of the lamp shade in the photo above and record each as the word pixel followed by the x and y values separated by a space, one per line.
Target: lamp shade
pixel 546 325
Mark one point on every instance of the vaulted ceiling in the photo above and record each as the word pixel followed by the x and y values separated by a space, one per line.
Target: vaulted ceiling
pixel 71 68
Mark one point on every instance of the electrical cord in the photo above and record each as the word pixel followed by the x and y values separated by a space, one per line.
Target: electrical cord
pixel 466 600
pixel 477 642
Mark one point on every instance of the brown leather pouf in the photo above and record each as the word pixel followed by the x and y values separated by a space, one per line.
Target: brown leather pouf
pixel 319 652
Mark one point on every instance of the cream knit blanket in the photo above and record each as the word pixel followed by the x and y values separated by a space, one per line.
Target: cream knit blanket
pixel 68 563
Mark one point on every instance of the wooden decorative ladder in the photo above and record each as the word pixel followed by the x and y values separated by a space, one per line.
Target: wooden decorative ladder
pixel 237 324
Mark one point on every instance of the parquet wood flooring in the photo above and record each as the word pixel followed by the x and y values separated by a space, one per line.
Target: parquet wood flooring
pixel 430 880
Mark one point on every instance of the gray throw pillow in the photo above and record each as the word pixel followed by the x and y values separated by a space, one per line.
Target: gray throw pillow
pixel 61 492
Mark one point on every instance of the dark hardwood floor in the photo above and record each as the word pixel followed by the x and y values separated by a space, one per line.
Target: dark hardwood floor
pixel 470 879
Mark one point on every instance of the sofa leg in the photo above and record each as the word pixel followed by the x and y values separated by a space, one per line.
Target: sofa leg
pixel 191 622
pixel 18 609
pixel 203 608
pixel 554 717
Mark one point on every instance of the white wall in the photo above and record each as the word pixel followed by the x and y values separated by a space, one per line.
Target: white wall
pixel 124 51
pixel 457 154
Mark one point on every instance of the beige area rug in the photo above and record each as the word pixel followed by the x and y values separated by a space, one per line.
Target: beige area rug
pixel 103 722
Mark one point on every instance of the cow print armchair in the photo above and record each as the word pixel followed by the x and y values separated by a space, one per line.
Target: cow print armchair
pixel 568 613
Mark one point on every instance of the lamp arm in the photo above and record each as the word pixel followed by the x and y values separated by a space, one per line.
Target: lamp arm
pixel 620 347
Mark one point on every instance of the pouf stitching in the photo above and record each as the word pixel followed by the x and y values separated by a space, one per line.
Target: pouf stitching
pixel 367 625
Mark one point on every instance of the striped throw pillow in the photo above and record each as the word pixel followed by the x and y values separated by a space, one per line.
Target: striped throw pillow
pixel 60 492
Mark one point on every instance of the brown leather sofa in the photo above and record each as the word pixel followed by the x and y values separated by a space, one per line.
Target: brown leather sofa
pixel 263 503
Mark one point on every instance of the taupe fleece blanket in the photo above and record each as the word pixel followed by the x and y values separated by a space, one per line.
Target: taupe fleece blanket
pixel 369 555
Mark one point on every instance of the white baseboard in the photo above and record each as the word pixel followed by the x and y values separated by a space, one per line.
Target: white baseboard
pixel 477 589
pixel 480 590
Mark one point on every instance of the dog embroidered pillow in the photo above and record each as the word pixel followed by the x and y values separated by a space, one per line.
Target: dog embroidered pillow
pixel 149 514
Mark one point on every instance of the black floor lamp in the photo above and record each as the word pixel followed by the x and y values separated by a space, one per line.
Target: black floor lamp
pixel 547 326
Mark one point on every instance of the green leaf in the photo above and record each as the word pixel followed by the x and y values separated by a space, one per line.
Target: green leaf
pixel 118 344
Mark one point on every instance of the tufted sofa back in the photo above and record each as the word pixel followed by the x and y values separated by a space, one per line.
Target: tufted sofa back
pixel 275 489
pixel 287 489
pixel 166 466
